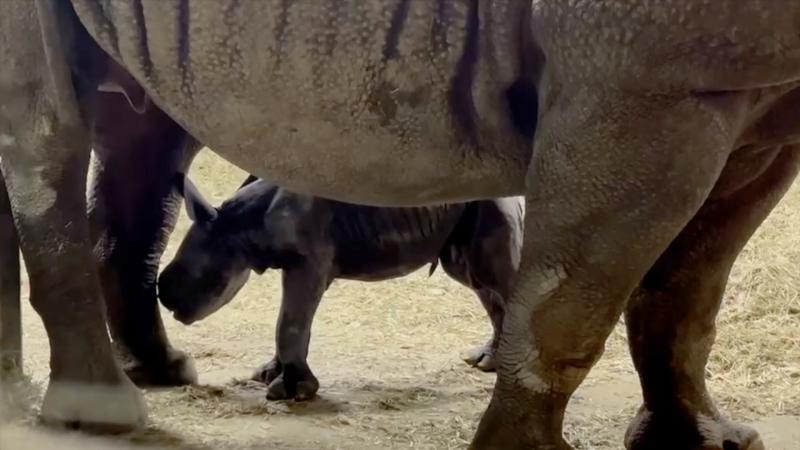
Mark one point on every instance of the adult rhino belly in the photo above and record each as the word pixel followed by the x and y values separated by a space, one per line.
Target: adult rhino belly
pixel 349 100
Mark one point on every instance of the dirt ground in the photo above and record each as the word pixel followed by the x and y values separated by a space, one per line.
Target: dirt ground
pixel 387 356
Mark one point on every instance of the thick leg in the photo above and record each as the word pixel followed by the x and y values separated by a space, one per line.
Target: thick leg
pixel 613 180
pixel 45 151
pixel 288 375
pixel 133 209
pixel 10 313
pixel 671 316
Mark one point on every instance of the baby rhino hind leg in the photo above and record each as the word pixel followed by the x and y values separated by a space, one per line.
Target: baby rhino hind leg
pixel 482 357
pixel 671 316
pixel 484 254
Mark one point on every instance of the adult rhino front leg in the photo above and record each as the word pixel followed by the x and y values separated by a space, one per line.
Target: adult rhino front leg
pixel 671 316
pixel 133 209
pixel 10 312
pixel 616 175
pixel 45 151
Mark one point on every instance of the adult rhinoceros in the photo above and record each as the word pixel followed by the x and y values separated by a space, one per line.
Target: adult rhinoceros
pixel 665 135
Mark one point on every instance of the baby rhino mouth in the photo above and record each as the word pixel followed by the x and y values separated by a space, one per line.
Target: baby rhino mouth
pixel 202 305
pixel 188 317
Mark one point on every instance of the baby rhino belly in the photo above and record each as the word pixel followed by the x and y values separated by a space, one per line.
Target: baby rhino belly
pixel 374 244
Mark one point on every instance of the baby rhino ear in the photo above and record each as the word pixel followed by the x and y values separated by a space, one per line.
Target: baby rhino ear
pixel 248 181
pixel 197 207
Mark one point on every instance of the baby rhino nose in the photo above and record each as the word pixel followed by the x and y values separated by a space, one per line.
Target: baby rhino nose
pixel 171 283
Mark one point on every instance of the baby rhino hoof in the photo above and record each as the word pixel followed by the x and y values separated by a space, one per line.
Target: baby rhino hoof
pixel 101 408
pixel 298 390
pixel 287 382
pixel 268 372
pixel 650 431
pixel 481 357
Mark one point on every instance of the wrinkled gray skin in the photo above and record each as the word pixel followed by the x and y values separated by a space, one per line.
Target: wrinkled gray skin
pixel 665 134
pixel 314 241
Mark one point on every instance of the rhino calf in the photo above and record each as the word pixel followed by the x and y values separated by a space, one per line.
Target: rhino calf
pixel 315 241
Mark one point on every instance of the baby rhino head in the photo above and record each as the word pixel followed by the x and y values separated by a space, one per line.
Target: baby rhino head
pixel 256 229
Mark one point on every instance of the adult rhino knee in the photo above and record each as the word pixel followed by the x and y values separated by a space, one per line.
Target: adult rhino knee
pixel 314 241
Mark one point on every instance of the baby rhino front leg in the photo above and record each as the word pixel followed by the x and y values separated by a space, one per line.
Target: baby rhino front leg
pixel 287 375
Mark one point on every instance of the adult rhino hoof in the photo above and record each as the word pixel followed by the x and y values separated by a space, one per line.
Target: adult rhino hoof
pixel 101 408
pixel 650 431
pixel 481 358
pixel 511 428
pixel 177 369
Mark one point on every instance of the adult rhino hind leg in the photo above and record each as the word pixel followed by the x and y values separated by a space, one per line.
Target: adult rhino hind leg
pixel 45 150
pixel 10 312
pixel 600 209
pixel 671 316
pixel 133 210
